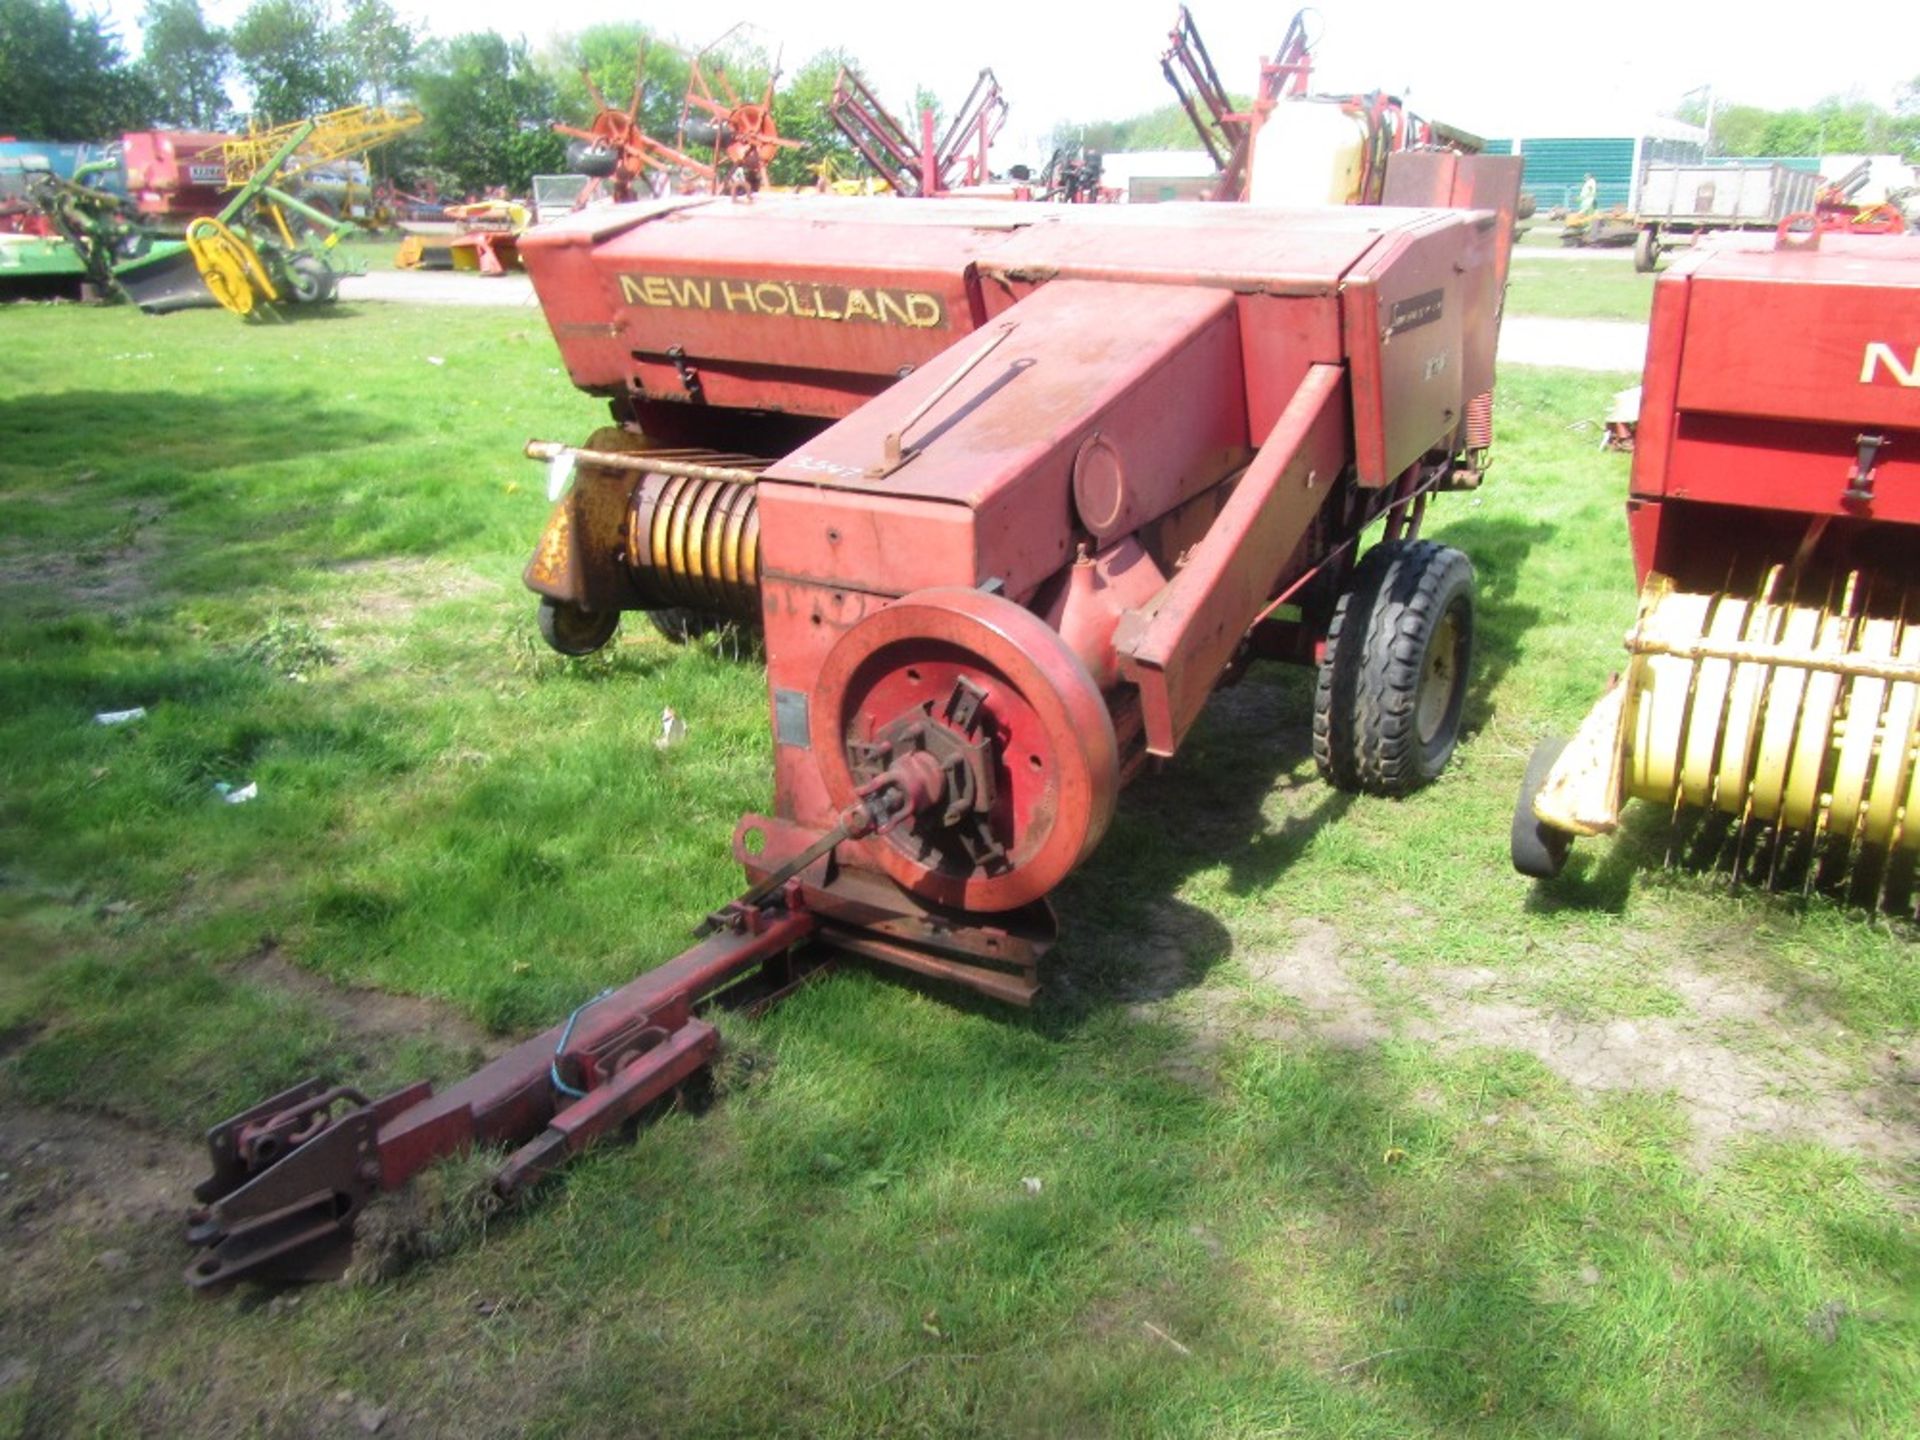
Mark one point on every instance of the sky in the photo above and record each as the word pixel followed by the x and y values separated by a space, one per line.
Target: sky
pixel 1500 68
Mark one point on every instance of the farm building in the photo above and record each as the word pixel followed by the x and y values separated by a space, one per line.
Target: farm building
pixel 1616 157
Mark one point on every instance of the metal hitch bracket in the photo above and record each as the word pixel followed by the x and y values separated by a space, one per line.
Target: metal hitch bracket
pixel 291 1175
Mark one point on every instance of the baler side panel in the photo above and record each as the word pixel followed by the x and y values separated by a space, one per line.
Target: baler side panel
pixel 1768 464
pixel 1784 348
pixel 579 310
pixel 1281 338
pixel 988 489
pixel 1080 359
pixel 1406 315
pixel 877 543
pixel 1653 438
pixel 1766 371
pixel 1176 648
pixel 1489 183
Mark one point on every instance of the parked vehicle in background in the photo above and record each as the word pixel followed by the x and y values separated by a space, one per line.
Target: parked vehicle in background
pixel 1678 202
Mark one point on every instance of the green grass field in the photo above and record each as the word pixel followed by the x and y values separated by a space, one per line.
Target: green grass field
pixel 1339 1127
pixel 368 252
pixel 1584 289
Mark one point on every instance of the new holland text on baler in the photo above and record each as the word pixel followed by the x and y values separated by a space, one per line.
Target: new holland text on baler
pixel 1011 488
pixel 1773 680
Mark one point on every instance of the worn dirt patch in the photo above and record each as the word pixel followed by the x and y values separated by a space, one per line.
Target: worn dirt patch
pixel 1313 973
pixel 372 1017
pixel 92 1246
pixel 1735 1058
pixel 89 1243
pixel 84 1172
pixel 113 573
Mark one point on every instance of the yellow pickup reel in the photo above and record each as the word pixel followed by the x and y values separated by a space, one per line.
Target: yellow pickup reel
pixel 1792 719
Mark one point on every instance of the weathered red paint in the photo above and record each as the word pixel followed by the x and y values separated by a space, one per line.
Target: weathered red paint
pixel 1027 478
pixel 1767 369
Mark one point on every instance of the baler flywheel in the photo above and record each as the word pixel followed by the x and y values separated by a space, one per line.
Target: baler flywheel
pixel 994 696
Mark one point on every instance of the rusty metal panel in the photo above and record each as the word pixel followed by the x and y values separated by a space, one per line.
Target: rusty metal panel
pixel 1076 357
pixel 1794 466
pixel 1660 386
pixel 816 291
pixel 1175 650
pixel 1250 248
pixel 802 621
pixel 815 315
pixel 879 544
pixel 1444 179
pixel 1281 338
pixel 1489 184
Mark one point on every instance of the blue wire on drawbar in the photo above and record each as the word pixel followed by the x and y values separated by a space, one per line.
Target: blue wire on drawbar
pixel 553 1065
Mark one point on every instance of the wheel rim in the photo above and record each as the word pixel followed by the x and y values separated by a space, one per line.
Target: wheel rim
pixel 1439 677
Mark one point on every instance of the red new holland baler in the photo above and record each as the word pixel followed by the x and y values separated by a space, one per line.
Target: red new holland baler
pixel 1773 677
pixel 1010 489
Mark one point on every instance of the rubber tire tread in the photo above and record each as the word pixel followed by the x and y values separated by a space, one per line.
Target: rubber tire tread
pixel 1646 253
pixel 573 632
pixel 311 280
pixel 1364 735
pixel 1538 850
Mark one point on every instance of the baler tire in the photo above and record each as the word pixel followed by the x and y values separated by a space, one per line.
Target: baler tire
pixel 573 631
pixel 1539 850
pixel 1370 696
pixel 1646 252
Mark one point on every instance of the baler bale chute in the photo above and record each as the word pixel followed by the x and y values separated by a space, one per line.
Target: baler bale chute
pixel 1012 489
pixel 1773 680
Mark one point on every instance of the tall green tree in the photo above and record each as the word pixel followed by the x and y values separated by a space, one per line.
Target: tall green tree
pixel 612 54
pixel 186 61
pixel 379 46
pixel 800 110
pixel 65 76
pixel 488 109
pixel 292 61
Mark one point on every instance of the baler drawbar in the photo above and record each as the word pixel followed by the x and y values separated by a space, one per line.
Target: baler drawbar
pixel 1010 489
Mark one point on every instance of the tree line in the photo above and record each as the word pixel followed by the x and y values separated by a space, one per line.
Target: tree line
pixel 489 100
pixel 1838 125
